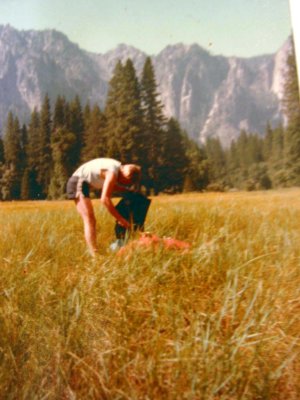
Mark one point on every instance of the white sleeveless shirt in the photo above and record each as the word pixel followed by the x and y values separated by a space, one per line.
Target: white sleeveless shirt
pixel 90 171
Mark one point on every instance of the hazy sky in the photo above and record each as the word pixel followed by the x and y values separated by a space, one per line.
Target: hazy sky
pixel 228 27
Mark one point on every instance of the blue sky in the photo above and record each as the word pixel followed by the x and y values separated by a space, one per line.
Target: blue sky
pixel 228 27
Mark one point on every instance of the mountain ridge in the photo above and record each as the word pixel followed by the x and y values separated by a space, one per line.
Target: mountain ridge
pixel 210 95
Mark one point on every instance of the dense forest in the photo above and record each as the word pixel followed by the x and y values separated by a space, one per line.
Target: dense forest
pixel 36 159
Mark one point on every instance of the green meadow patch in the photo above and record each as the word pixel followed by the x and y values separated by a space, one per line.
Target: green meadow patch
pixel 221 321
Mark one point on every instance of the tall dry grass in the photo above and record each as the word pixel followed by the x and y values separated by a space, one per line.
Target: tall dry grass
pixel 221 322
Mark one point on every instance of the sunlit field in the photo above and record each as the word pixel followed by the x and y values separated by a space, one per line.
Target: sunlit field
pixel 221 321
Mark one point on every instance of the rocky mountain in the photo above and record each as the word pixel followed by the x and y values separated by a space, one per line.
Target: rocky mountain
pixel 211 96
pixel 215 96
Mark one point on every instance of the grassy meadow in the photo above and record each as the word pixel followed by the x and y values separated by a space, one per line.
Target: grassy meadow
pixel 219 322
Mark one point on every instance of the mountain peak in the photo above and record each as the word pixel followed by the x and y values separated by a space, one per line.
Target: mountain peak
pixel 123 51
pixel 209 95
pixel 183 49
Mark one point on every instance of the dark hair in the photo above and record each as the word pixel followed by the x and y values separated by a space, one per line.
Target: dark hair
pixel 135 174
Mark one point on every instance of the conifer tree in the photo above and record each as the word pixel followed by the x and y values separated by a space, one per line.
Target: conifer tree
pixel 277 146
pixel 292 133
pixel 2 171
pixel 232 165
pixel 268 142
pixel 292 155
pixel 12 140
pixel 25 185
pixel 172 163
pixel 76 126
pixel 291 91
pixel 114 111
pixel 44 148
pixel 86 112
pixel 242 149
pixel 275 159
pixel 131 141
pixel 95 140
pixel 124 115
pixel 154 124
pixel 216 160
pixel 10 183
pixel 60 114
pixel 66 143
pixel 13 158
pixel 32 152
pixel 63 145
pixel 24 164
pixel 254 149
pixel 1 151
pixel 197 170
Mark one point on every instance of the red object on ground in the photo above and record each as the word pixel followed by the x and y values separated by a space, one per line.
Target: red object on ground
pixel 148 240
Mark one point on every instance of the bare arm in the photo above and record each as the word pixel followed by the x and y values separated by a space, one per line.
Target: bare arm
pixel 109 185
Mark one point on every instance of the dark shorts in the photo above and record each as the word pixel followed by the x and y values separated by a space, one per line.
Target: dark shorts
pixel 77 186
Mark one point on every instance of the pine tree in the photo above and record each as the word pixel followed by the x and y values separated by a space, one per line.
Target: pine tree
pixel 173 162
pixel 254 149
pixel 275 160
pixel 196 177
pixel 268 142
pixel 292 133
pixel 66 143
pixel 292 155
pixel 86 121
pixel 13 158
pixel 2 171
pixel 76 126
pixel 95 140
pixel 216 160
pixel 10 183
pixel 60 115
pixel 24 164
pixel 154 124
pixel 242 150
pixel 25 185
pixel 124 115
pixel 1 151
pixel 12 140
pixel 44 148
pixel 232 165
pixel 86 112
pixel 131 141
pixel 32 151
pixel 114 111
pixel 291 90
pixel 63 144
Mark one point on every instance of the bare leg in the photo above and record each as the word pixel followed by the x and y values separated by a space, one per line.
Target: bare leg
pixel 85 208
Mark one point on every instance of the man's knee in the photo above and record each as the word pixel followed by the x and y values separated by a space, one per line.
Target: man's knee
pixel 87 215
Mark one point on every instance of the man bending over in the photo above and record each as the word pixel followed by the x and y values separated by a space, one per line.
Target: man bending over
pixel 105 174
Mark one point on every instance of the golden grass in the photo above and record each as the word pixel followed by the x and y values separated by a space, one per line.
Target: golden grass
pixel 221 322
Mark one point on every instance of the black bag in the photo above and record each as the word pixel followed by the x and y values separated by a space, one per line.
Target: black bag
pixel 134 208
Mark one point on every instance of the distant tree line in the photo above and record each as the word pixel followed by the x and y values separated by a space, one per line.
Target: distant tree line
pixel 36 159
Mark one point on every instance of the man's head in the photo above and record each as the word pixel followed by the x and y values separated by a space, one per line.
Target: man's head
pixel 130 174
